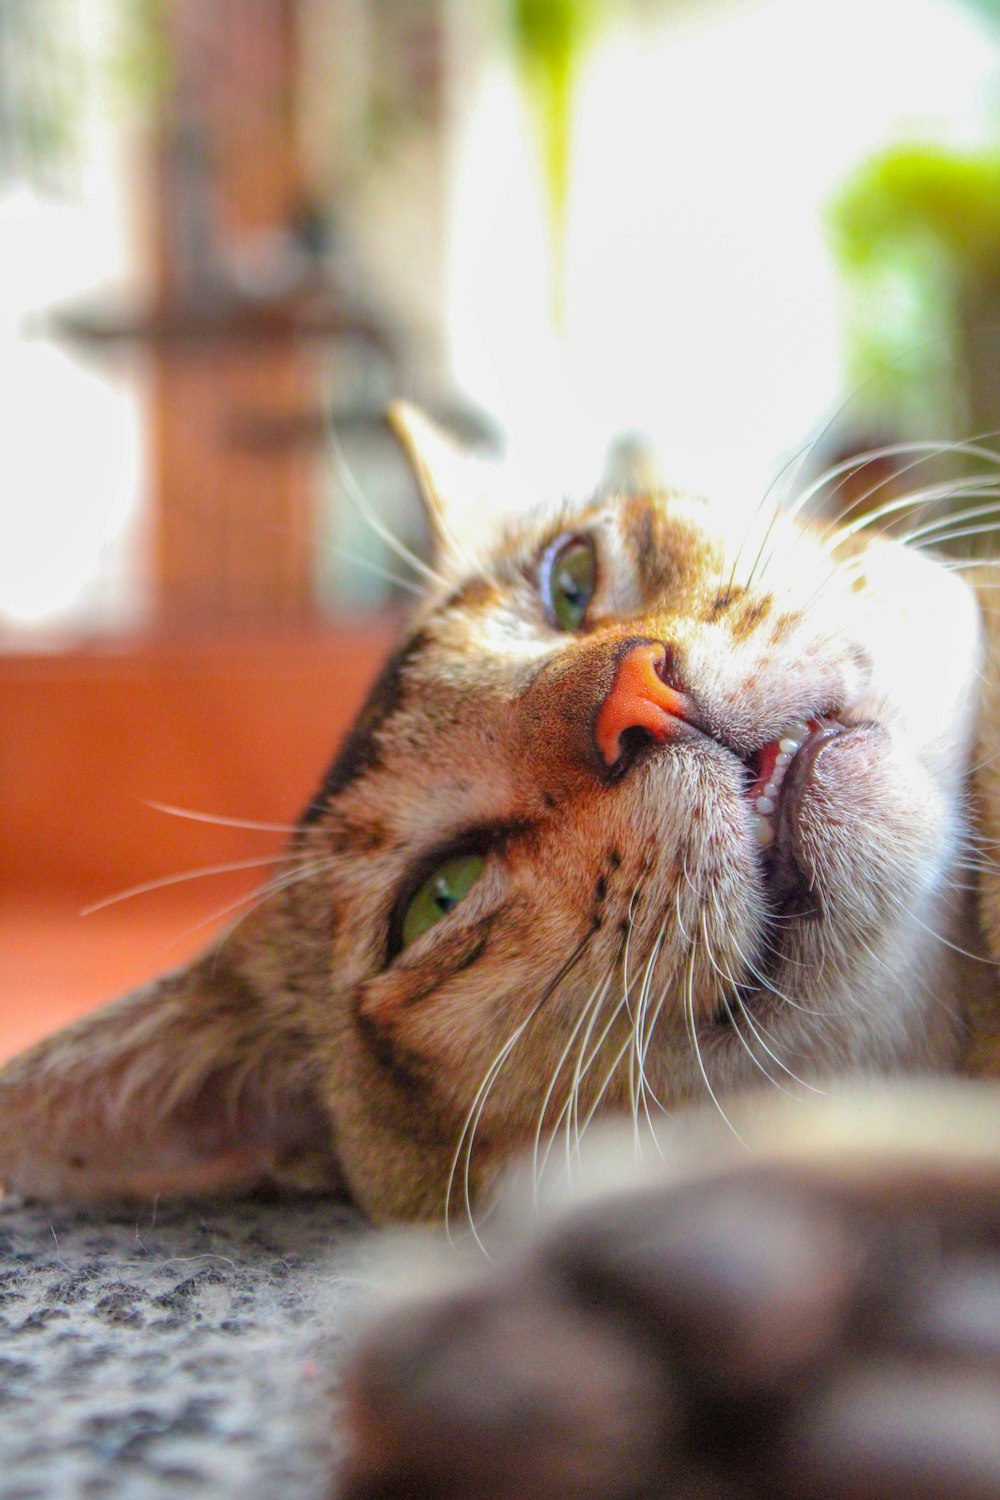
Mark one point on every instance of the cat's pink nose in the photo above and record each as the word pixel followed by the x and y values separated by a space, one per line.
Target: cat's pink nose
pixel 639 699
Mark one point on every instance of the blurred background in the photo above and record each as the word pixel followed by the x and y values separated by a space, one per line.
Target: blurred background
pixel 231 230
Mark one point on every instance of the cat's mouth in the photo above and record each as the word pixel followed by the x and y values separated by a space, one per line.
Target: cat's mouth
pixel 782 771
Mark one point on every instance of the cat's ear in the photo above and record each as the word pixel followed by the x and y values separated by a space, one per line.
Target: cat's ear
pixel 466 494
pixel 194 1084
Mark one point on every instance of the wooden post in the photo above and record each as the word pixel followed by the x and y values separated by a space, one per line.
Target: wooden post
pixel 234 520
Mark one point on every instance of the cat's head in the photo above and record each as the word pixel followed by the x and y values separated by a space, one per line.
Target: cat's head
pixel 645 806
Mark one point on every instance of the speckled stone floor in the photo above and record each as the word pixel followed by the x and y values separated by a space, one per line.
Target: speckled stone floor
pixel 181 1351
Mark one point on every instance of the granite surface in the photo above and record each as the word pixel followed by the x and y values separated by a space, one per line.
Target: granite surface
pixel 174 1350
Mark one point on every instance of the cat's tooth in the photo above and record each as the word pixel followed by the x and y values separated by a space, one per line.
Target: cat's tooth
pixel 764 805
pixel 799 730
pixel 772 788
pixel 763 830
pixel 788 746
pixel 783 758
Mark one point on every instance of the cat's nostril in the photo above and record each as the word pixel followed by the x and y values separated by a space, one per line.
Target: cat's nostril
pixel 640 706
pixel 631 743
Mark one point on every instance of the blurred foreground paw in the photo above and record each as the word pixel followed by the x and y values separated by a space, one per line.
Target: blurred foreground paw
pixel 820 1324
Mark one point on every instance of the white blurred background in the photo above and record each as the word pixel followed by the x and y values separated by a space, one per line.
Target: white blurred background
pixel 680 281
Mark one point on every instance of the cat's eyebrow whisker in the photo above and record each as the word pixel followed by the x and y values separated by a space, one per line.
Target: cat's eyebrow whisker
pixel 167 880
pixel 360 502
pixel 282 881
pixel 798 459
pixel 377 571
pixel 217 818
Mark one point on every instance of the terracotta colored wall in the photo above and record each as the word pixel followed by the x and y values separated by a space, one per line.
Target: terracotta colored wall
pixel 241 729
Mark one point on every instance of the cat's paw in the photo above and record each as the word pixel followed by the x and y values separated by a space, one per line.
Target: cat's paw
pixel 774 1331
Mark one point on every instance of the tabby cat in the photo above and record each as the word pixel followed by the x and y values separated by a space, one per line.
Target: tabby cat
pixel 648 806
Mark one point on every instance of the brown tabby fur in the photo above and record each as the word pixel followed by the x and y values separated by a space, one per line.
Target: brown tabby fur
pixel 590 967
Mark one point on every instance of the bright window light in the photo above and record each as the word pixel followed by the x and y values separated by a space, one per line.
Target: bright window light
pixel 702 306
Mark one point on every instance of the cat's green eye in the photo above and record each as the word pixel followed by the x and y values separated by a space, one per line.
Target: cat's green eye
pixel 568 580
pixel 444 888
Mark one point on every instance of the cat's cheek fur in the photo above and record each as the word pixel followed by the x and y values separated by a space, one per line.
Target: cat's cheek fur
pixel 197 1083
pixel 879 839
pixel 873 833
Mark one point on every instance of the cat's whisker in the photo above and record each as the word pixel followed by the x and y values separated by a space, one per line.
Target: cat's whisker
pixel 692 1030
pixel 911 916
pixel 377 571
pixel 878 513
pixel 283 881
pixel 571 1109
pixel 942 492
pixel 955 516
pixel 941 495
pixel 959 535
pixel 970 564
pixel 729 985
pixel 597 1051
pixel 374 522
pixel 639 1087
pixel 759 1035
pixel 845 570
pixel 612 1069
pixel 768 984
pixel 467 1137
pixel 218 819
pixel 797 459
pixel 581 1021
pixel 637 1080
pixel 163 881
pixel 254 899
pixel 919 451
pixel 630 920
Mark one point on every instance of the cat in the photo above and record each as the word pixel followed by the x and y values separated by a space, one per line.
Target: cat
pixel 649 804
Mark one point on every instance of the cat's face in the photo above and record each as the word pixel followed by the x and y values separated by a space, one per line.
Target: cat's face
pixel 540 881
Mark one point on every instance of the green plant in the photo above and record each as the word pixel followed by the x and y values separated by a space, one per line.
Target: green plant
pixel 916 232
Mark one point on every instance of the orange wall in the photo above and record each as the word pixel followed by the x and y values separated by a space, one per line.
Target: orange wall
pixel 238 728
